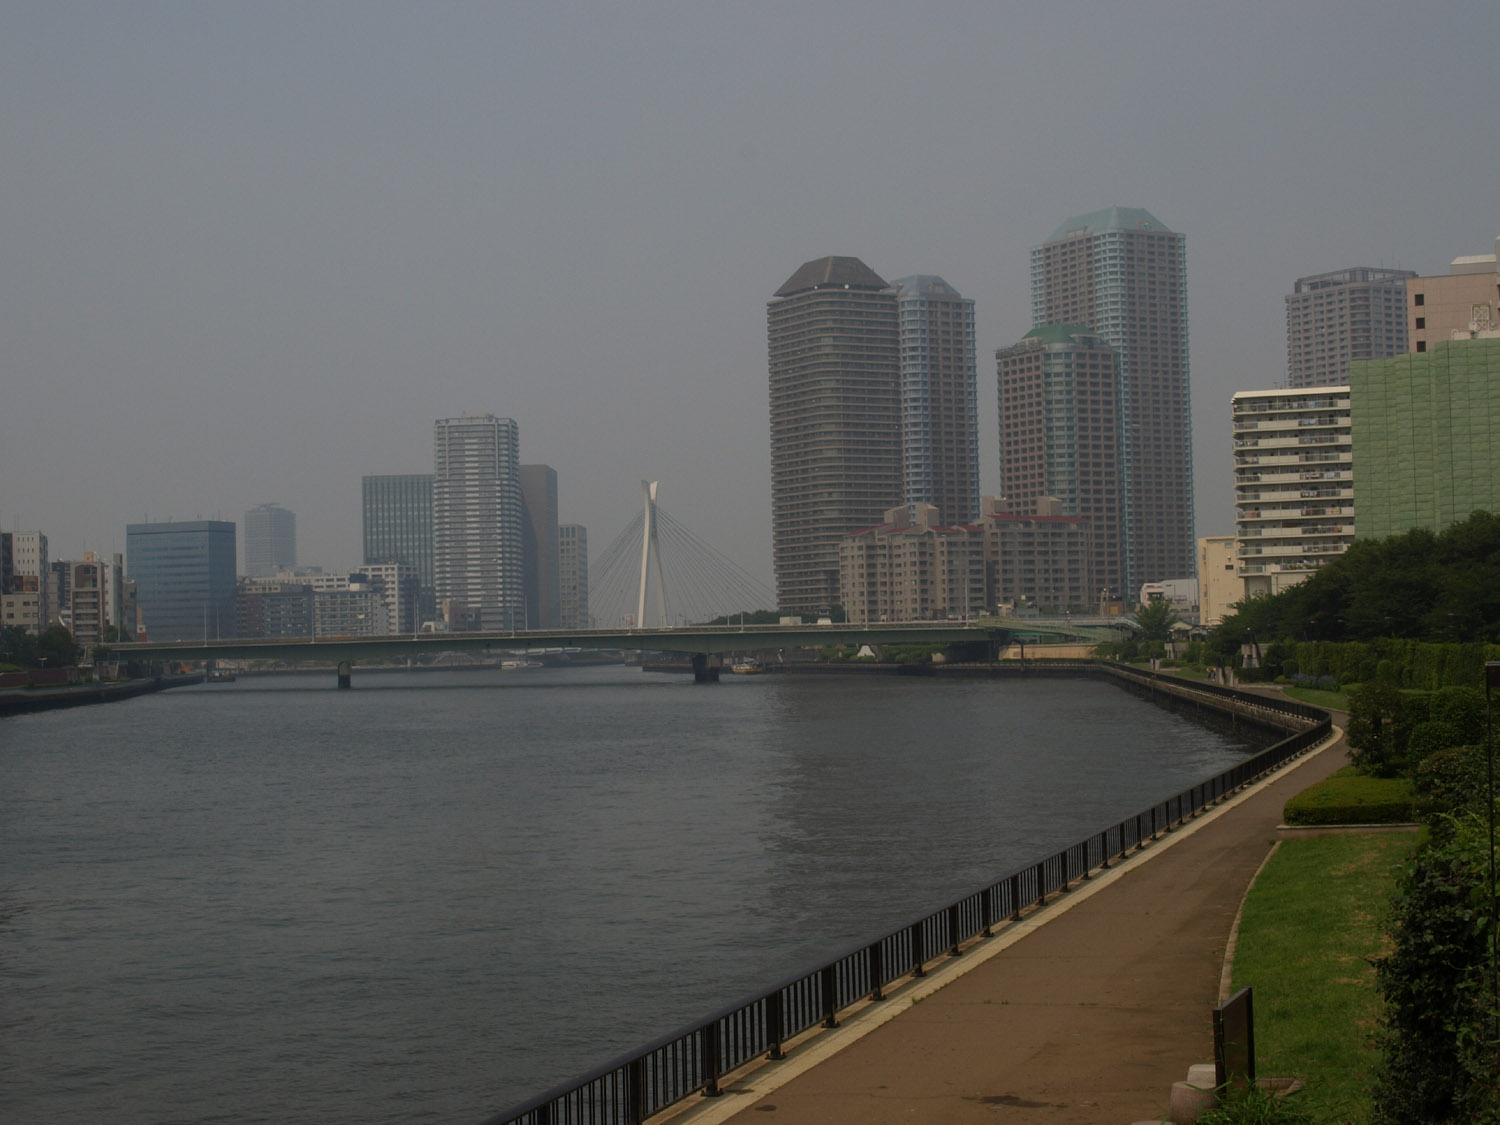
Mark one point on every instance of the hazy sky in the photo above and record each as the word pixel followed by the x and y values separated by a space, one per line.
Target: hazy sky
pixel 251 251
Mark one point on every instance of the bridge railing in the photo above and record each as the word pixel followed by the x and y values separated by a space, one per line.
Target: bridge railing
pixel 696 1058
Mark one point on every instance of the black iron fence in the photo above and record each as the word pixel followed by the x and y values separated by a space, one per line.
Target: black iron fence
pixel 629 1089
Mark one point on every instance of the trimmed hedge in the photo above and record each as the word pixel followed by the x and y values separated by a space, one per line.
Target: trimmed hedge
pixel 1352 798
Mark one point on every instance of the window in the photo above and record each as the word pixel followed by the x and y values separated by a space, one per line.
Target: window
pixel 1419 299
pixel 1421 322
pixel 1421 345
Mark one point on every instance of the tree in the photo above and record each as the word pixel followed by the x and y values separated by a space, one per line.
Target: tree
pixel 1380 723
pixel 1156 619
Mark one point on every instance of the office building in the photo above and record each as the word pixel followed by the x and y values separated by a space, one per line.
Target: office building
pixel 539 545
pixel 398 529
pixel 1463 303
pixel 1333 319
pixel 1426 436
pixel 1123 275
pixel 573 576
pixel 26 587
pixel 185 577
pixel 1293 484
pixel 835 411
pixel 939 397
pixel 1059 435
pixel 270 540
pixel 476 523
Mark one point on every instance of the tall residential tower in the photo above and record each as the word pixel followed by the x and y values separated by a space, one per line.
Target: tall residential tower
pixel 1122 274
pixel 835 421
pixel 476 522
pixel 939 397
pixel 1333 319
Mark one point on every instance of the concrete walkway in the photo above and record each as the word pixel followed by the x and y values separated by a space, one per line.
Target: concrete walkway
pixel 1085 1012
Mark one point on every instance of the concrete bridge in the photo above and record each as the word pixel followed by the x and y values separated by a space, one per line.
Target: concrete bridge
pixel 707 644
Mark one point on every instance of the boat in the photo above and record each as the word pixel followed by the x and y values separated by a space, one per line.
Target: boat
pixel 219 676
pixel 747 668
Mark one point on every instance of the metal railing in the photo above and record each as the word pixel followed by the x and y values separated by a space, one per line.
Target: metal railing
pixel 629 1089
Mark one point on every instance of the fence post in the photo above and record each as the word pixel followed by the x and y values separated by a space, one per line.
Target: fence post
pixel 1015 897
pixel 918 951
pixel 830 1001
pixel 635 1077
pixel 953 950
pixel 987 910
pixel 877 970
pixel 711 1060
pixel 775 1023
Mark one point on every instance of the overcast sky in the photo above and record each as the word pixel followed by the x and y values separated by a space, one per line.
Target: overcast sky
pixel 252 251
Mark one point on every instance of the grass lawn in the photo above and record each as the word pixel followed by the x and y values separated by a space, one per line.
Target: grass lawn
pixel 1310 926
pixel 1333 700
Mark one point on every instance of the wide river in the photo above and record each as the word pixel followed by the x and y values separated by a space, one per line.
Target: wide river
pixel 432 896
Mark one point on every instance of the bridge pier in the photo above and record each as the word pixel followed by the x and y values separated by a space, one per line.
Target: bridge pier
pixel 706 667
pixel 346 675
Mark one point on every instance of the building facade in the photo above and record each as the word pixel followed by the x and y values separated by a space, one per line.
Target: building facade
pixel 185 577
pixel 478 573
pixel 912 568
pixel 1333 319
pixel 1220 588
pixel 1293 484
pixel 1122 274
pixel 539 545
pixel 1059 435
pixel 836 431
pixel 398 528
pixel 270 540
pixel 1426 433
pixel 573 576
pixel 939 397
pixel 1461 304
pixel 26 603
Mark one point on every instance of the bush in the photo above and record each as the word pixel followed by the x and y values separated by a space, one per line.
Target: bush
pixel 1349 797
pixel 1437 1061
pixel 1253 1105
pixel 1380 723
pixel 1448 783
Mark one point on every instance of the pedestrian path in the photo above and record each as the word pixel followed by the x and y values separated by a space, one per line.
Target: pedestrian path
pixel 1086 1011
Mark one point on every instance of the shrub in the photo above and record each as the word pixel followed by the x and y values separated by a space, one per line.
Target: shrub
pixel 1254 1105
pixel 1380 722
pixel 1448 783
pixel 1349 797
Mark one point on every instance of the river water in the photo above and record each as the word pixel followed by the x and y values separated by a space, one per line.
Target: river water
pixel 437 894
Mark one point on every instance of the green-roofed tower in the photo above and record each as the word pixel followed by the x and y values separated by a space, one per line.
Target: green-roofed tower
pixel 1122 274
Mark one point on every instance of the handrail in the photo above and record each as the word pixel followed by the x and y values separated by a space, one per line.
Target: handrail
pixel 696 1057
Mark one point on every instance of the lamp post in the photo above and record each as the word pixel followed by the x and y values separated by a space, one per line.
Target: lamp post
pixel 1492 680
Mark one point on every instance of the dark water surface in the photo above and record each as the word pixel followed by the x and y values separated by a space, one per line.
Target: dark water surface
pixel 437 894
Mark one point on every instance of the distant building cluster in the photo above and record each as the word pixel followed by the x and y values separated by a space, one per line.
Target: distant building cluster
pixel 1387 413
pixel 873 404
pixel 476 544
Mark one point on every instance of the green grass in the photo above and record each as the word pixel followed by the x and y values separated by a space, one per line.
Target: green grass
pixel 1333 700
pixel 1310 926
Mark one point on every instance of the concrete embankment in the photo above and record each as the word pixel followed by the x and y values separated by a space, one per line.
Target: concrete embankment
pixel 52 699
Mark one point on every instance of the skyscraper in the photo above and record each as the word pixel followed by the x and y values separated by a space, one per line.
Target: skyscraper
pixel 1335 318
pixel 835 421
pixel 573 576
pixel 1122 274
pixel 1059 436
pixel 398 528
pixel 185 577
pixel 476 521
pixel 270 540
pixel 539 544
pixel 939 397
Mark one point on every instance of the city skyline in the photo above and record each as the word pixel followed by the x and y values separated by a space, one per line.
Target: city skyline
pixel 246 261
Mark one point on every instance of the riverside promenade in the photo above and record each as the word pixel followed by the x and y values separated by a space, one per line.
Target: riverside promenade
pixel 1084 1012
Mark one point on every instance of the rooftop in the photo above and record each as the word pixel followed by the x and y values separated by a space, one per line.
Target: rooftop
pixel 1111 218
pixel 832 273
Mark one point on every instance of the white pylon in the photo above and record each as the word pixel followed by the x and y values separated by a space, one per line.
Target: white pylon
pixel 650 559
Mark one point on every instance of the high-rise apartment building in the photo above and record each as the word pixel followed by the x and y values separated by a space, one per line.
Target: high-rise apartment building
pixel 573 576
pixel 539 544
pixel 1059 435
pixel 1426 430
pixel 476 522
pixel 836 427
pixel 1293 484
pixel 1333 319
pixel 398 528
pixel 185 577
pixel 1122 274
pixel 939 397
pixel 270 540
pixel 1458 305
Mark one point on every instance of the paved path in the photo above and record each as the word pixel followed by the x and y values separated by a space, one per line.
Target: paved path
pixel 1087 1012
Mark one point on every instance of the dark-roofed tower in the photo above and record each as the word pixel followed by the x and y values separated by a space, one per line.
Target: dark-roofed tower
pixel 1122 274
pixel 835 421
